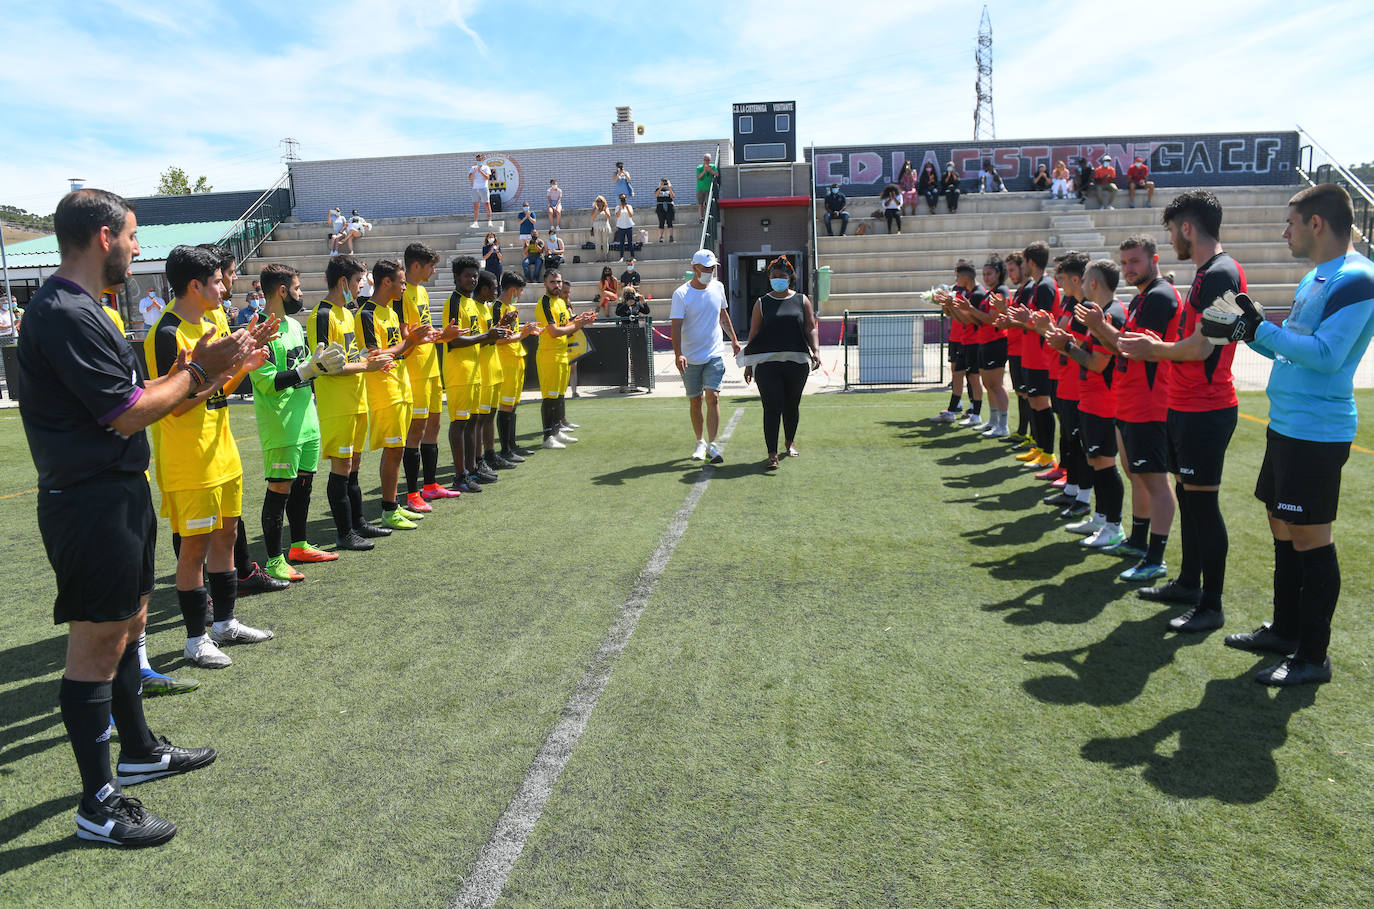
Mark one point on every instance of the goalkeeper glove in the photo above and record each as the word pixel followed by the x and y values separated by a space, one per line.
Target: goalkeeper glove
pixel 1233 317
pixel 325 360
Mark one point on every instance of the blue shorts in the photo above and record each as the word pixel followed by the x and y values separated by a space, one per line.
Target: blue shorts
pixel 698 376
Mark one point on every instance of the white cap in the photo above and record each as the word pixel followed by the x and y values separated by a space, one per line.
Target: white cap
pixel 705 258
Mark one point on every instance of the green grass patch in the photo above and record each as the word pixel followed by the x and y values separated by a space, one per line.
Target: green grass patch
pixel 881 676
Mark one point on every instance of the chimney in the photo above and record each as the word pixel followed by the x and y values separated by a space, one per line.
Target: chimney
pixel 623 129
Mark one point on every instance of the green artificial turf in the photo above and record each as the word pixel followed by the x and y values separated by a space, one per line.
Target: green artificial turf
pixel 881 676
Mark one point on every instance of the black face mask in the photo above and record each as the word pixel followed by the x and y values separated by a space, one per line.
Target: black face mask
pixel 292 305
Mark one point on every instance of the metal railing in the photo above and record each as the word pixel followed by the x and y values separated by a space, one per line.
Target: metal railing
pixel 894 347
pixel 710 225
pixel 815 236
pixel 1317 165
pixel 247 234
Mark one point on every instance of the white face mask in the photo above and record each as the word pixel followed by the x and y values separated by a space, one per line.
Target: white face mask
pixel 706 277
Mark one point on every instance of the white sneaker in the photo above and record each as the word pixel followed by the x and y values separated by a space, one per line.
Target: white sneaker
pixel 567 424
pixel 1107 535
pixel 489 224
pixel 562 436
pixel 552 442
pixel 203 652
pixel 970 419
pixel 984 428
pixel 1087 527
pixel 235 632
pixel 699 453
pixel 945 416
pixel 713 454
pixel 992 431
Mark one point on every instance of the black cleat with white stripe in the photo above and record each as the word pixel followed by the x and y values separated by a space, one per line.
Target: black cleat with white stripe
pixel 165 759
pixel 114 818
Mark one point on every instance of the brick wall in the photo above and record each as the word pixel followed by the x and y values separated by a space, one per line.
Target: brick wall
pixel 426 185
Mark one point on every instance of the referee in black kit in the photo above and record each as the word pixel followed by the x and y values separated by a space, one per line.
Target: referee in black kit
pixel 84 406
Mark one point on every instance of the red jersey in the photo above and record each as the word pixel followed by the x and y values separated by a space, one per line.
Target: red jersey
pixel 1062 369
pixel 1203 385
pixel 1043 297
pixel 1016 336
pixel 987 332
pixel 1138 173
pixel 1141 387
pixel 1096 395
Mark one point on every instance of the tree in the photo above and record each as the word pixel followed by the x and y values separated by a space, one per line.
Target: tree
pixel 174 182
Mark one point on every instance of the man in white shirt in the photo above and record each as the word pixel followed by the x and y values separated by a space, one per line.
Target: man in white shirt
pixel 480 178
pixel 698 313
pixel 150 308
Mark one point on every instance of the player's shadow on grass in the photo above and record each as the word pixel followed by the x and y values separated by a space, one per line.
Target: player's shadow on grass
pixel 731 471
pixel 22 821
pixel 1226 743
pixel 1076 599
pixel 1039 564
pixel 1113 671
pixel 1016 500
pixel 978 456
pixel 1028 528
pixel 640 471
pixel 983 479
pixel 908 427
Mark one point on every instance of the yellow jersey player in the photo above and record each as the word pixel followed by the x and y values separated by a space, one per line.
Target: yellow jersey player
pixel 426 384
pixel 199 472
pixel 388 390
pixel 462 372
pixel 492 372
pixel 342 403
pixel 511 350
pixel 556 322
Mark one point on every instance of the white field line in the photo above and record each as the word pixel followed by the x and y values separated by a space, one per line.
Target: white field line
pixel 489 874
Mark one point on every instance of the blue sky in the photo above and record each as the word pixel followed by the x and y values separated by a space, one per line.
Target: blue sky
pixel 114 91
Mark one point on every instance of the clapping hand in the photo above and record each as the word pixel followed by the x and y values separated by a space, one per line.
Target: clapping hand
pixel 1232 317
pixel 1138 345
pixel 378 360
pixel 1090 314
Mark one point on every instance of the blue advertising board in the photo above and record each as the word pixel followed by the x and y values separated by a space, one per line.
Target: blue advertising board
pixel 1217 159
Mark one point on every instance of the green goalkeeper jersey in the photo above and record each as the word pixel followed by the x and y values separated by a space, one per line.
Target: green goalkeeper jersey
pixel 286 417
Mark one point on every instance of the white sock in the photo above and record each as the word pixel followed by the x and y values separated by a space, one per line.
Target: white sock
pixel 1071 489
pixel 222 626
pixel 198 638
pixel 143 653
pixel 1085 496
pixel 1099 518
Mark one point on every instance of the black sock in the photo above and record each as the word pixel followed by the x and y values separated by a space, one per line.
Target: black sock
pixel 954 401
pixel 1287 590
pixel 548 411
pixel 1321 588
pixel 503 430
pixel 86 714
pixel 1154 552
pixel 298 507
pixel 355 499
pixel 1023 415
pixel 561 416
pixel 273 514
pixel 242 563
pixel 1190 563
pixel 1045 436
pixel 410 462
pixel 975 406
pixel 1110 492
pixel 429 459
pixel 126 704
pixel 224 588
pixel 336 491
pixel 388 506
pixel 1140 530
pixel 514 433
pixel 192 604
pixel 1213 543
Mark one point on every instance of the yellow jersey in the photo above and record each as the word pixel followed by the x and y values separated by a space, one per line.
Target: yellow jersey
pixel 195 450
pixel 468 314
pixel 552 311
pixel 515 351
pixel 423 361
pixel 342 394
pixel 115 317
pixel 381 328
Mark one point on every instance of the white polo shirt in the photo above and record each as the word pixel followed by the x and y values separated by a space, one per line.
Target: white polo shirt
pixel 702 337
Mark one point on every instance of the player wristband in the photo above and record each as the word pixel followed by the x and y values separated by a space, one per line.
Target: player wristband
pixel 202 377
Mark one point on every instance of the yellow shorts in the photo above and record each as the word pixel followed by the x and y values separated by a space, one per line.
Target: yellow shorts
pixel 462 400
pixel 343 436
pixel 512 381
pixel 489 398
pixel 199 511
pixel 428 395
pixel 553 375
pixel 386 428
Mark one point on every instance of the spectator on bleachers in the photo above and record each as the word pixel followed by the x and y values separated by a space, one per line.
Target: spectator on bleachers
pixel 7 320
pixel 479 175
pixel 1138 177
pixel 338 228
pixel 608 291
pixel 928 186
pixel 664 208
pixel 625 228
pixel 949 188
pixel 623 186
pixel 1104 185
pixel 357 226
pixel 630 276
pixel 834 208
pixel 601 228
pixel 906 181
pixel 533 263
pixel 1041 181
pixel 491 254
pixel 988 179
pixel 553 250
pixel 706 173
pixel 365 288
pixel 526 221
pixel 1059 185
pixel 150 308
pixel 1085 177
pixel 251 307
pixel 891 201
pixel 555 197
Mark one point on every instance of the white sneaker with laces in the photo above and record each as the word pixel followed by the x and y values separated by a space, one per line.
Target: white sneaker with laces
pixel 562 436
pixel 699 453
pixel 1107 535
pixel 945 416
pixel 552 442
pixel 992 431
pixel 1088 526
pixel 713 453
pixel 203 652
pixel 970 419
pixel 235 632
pixel 474 224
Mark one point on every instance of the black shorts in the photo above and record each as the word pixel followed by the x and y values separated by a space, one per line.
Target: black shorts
pixel 665 216
pixel 958 356
pixel 1067 411
pixel 1098 435
pixel 1300 481
pixel 1197 444
pixel 1017 377
pixel 1037 382
pixel 1147 446
pixel 992 355
pixel 100 537
pixel 971 358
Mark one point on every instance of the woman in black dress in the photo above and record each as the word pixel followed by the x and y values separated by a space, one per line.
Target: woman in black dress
pixel 783 342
